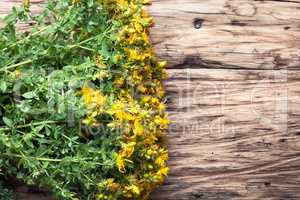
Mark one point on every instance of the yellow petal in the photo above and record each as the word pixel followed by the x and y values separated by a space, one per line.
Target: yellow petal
pixel 138 128
pixel 26 3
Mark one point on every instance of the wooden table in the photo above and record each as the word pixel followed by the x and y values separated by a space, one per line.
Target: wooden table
pixel 233 97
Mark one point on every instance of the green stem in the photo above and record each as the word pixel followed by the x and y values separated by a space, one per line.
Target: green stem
pixel 26 38
pixel 49 159
pixel 69 138
pixel 91 38
pixel 79 45
pixel 82 42
pixel 16 65
pixel 28 125
pixel 85 48
pixel 36 158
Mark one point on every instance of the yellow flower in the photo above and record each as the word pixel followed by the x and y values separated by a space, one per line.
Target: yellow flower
pixel 101 196
pixel 133 38
pixel 134 110
pixel 161 107
pixel 159 90
pixel 109 181
pixel 162 64
pixel 120 163
pixel 132 190
pixel 146 17
pixel 138 27
pixel 155 101
pixel 123 4
pixel 163 172
pixel 146 55
pixel 163 122
pixel 145 38
pixel 119 81
pixel 100 62
pixel 146 2
pixel 118 57
pixel 146 98
pixel 142 89
pixel 128 149
pixel 138 128
pixel 151 139
pixel 102 74
pixel 118 106
pixel 111 185
pixel 87 95
pixel 89 120
pixel 18 73
pixel 118 110
pixel 135 189
pixel 133 54
pixel 93 99
pixel 99 99
pixel 75 1
pixel 161 160
pixel 26 3
pixel 126 152
pixel 150 152
pixel 144 13
pixel 136 76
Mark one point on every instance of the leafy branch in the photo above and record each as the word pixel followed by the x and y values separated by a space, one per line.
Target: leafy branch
pixel 28 125
pixel 64 160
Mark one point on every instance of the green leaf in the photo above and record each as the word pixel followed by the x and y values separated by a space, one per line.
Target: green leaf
pixel 8 121
pixel 3 86
pixel 27 139
pixel 29 95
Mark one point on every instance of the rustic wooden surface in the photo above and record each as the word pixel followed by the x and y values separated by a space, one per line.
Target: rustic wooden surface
pixel 233 96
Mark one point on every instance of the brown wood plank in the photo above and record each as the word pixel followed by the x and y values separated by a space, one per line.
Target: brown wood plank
pixel 234 34
pixel 235 135
pixel 235 114
pixel 233 97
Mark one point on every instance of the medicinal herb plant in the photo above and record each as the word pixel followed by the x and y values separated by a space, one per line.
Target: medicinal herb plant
pixel 81 100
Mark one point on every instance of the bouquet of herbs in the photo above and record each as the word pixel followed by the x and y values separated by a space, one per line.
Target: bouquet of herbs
pixel 81 100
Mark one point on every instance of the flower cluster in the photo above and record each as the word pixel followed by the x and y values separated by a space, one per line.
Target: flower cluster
pixel 138 110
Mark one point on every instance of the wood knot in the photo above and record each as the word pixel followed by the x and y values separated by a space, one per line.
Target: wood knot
pixel 282 140
pixel 198 23
pixel 237 23
pixel 242 8
pixel 267 184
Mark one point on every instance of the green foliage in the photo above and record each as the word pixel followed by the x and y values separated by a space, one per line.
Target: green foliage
pixel 42 70
pixel 5 193
pixel 81 100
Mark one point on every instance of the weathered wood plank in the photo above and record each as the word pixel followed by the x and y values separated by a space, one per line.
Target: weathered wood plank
pixel 235 135
pixel 233 96
pixel 234 34
pixel 235 114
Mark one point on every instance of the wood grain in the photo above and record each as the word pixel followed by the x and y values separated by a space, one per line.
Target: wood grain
pixel 235 135
pixel 233 98
pixel 235 34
